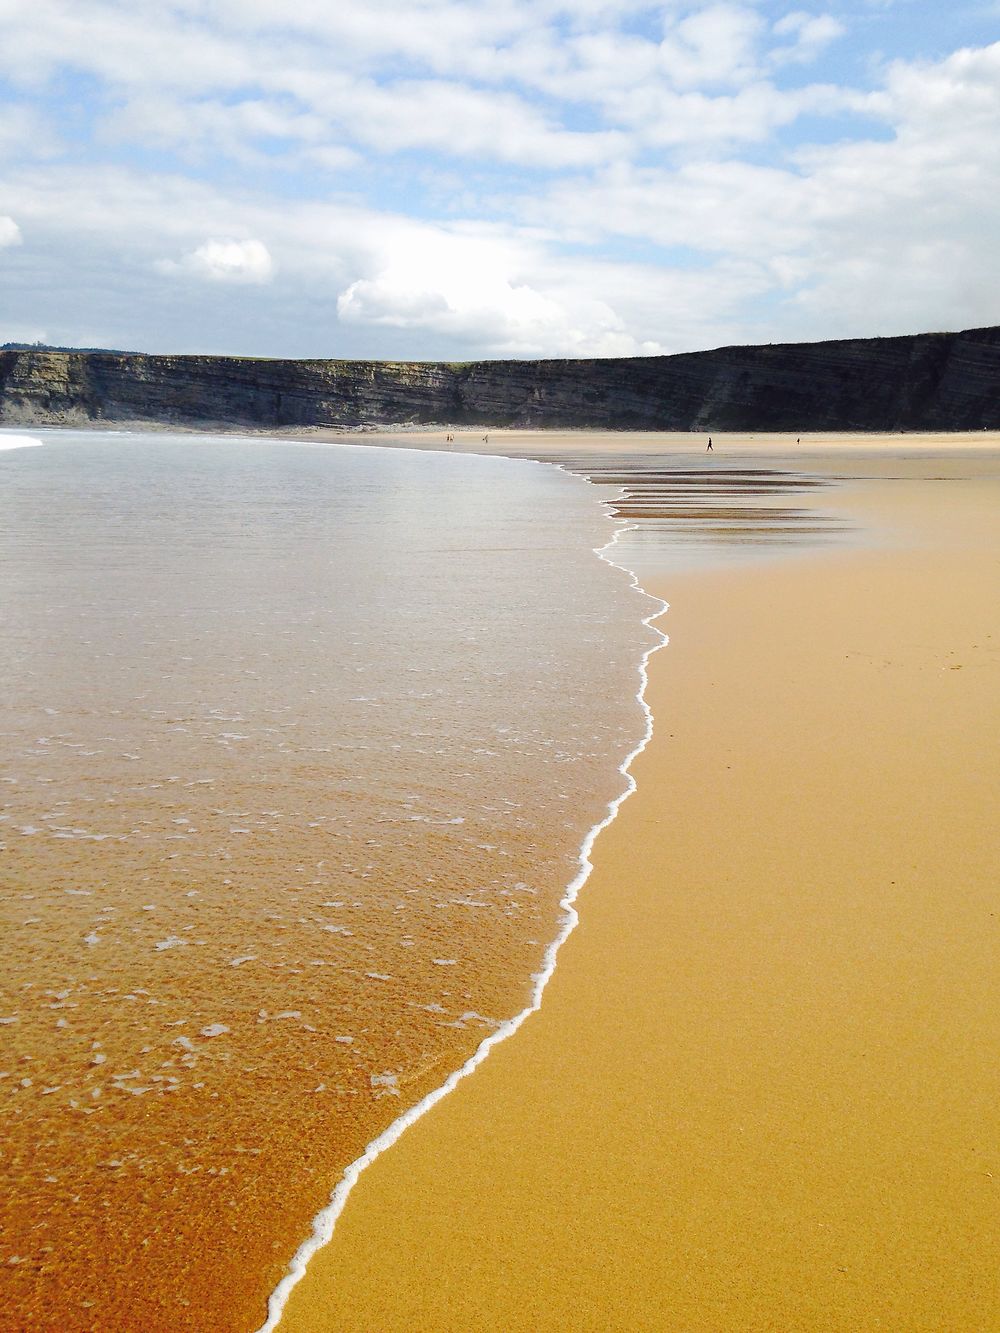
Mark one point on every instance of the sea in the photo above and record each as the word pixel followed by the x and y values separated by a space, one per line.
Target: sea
pixel 299 747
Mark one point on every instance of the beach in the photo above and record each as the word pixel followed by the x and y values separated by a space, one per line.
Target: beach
pixel 300 746
pixel 761 1091
pixel 499 667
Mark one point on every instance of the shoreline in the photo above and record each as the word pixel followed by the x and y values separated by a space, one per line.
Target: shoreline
pixel 468 438
pixel 576 453
pixel 324 1223
pixel 495 964
pixel 478 1233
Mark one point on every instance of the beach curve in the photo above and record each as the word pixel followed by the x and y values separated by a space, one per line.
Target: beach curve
pixel 325 1221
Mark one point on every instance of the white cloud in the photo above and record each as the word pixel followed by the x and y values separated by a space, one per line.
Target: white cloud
pixel 714 208
pixel 225 261
pixel 637 174
pixel 714 46
pixel 202 127
pixel 874 236
pixel 660 116
pixel 10 232
pixel 465 78
pixel 453 119
pixel 126 46
pixel 24 134
pixel 492 291
pixel 810 34
pixel 442 290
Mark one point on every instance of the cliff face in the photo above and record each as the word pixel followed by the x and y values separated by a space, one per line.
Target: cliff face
pixel 934 381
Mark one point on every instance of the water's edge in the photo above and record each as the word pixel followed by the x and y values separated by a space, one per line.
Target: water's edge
pixel 325 1221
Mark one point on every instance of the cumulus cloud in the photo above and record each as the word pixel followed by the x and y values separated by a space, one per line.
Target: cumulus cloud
pixel 225 261
pixel 10 232
pixel 808 35
pixel 713 46
pixel 428 177
pixel 488 291
pixel 452 118
pixel 348 280
pixel 466 78
pixel 882 234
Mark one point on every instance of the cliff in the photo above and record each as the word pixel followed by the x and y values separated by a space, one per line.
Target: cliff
pixel 932 381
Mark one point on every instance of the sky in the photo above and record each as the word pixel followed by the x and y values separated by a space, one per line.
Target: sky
pixel 459 179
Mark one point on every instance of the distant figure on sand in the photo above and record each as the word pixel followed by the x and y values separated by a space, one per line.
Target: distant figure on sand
pixel 709 450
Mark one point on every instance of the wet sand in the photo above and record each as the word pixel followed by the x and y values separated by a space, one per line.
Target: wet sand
pixel 762 1091
pixel 292 787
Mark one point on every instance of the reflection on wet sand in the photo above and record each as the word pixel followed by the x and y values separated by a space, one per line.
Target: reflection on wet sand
pixel 762 1091
pixel 713 503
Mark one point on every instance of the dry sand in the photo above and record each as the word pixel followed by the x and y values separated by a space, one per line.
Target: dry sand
pixel 763 1090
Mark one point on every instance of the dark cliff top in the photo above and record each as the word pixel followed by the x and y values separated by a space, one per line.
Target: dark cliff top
pixel 926 381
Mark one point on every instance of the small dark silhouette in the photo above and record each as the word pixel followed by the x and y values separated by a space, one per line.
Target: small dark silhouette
pixel 710 450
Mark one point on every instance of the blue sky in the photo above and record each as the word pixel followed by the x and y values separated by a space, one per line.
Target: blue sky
pixel 471 178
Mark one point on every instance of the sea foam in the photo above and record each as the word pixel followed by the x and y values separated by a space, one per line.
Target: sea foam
pixel 549 623
pixel 18 441
pixel 325 1221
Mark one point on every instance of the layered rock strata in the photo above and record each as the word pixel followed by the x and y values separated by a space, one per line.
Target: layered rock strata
pixel 932 381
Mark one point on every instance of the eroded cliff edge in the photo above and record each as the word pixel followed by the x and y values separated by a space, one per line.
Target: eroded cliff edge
pixel 933 381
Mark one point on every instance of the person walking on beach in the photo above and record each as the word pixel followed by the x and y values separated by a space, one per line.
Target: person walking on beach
pixel 709 450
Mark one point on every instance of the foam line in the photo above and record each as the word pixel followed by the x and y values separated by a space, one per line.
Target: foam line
pixel 18 441
pixel 325 1221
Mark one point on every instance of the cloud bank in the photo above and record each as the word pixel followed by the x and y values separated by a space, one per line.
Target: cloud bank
pixel 453 178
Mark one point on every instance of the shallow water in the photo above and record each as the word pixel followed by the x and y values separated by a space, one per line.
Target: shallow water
pixel 300 744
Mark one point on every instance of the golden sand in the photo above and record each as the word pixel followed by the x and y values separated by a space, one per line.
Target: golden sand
pixel 763 1089
pixel 285 818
